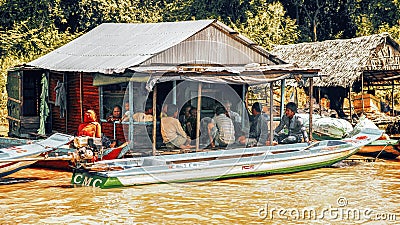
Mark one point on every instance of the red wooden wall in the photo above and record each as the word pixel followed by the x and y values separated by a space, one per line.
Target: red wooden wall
pixel 79 86
pixel 58 124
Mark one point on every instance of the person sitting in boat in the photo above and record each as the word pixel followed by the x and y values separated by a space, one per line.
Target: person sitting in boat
pixel 171 130
pixel 235 117
pixel 164 111
pixel 184 117
pixel 127 113
pixel 294 124
pixel 258 134
pixel 191 123
pixel 116 114
pixel 90 127
pixel 224 130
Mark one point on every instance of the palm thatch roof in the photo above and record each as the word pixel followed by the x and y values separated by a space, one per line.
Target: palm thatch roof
pixel 344 61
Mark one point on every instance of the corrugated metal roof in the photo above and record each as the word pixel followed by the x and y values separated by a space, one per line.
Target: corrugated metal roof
pixel 113 47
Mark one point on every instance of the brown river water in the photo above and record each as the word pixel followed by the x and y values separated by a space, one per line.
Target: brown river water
pixel 351 193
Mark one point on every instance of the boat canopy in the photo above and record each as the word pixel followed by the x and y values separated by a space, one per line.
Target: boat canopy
pixel 249 74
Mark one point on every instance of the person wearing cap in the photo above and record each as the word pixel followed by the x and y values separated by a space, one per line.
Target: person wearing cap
pixel 294 124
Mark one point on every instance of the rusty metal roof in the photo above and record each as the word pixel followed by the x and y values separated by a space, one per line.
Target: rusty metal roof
pixel 113 47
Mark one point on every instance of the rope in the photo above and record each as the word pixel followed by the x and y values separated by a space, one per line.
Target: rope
pixel 380 152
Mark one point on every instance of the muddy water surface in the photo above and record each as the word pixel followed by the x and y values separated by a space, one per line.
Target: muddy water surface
pixel 360 193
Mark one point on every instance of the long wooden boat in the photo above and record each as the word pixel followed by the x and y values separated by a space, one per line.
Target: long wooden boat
pixel 15 158
pixel 60 159
pixel 220 164
pixel 384 149
pixel 381 148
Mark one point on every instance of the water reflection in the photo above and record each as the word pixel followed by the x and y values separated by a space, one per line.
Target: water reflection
pixel 12 180
pixel 47 198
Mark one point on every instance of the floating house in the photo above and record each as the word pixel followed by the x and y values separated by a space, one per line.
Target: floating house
pixel 348 65
pixel 199 63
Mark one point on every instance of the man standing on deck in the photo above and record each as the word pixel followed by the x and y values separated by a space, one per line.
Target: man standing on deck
pixel 296 130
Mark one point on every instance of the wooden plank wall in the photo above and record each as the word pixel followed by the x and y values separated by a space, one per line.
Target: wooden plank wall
pixel 121 131
pixel 58 124
pixel 90 100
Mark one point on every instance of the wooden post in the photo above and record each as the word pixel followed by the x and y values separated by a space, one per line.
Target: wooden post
pixel 271 112
pixel 362 93
pixel 131 127
pixel 243 105
pixel 311 108
pixel 393 98
pixel 154 118
pixel 198 116
pixel 350 104
pixel 81 96
pixel 266 95
pixel 319 100
pixel 66 103
pixel 174 92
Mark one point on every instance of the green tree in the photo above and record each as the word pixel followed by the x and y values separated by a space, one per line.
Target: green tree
pixel 224 10
pixel 268 26
pixel 377 16
pixel 27 32
pixel 320 20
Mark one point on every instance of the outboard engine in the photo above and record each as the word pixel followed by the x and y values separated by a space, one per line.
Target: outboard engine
pixel 88 150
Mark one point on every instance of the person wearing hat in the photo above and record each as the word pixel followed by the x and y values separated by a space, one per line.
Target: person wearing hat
pixel 294 124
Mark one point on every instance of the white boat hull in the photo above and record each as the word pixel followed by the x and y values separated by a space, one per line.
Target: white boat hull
pixel 15 158
pixel 220 164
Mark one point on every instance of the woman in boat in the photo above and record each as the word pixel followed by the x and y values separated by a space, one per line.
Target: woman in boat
pixel 116 114
pixel 297 131
pixel 90 127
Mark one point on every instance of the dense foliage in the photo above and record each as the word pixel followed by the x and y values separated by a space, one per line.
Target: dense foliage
pixel 29 29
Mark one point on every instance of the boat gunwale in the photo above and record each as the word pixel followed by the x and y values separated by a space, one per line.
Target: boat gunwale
pixel 227 153
pixel 127 172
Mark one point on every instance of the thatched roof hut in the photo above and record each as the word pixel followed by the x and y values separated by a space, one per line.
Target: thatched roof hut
pixel 373 59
